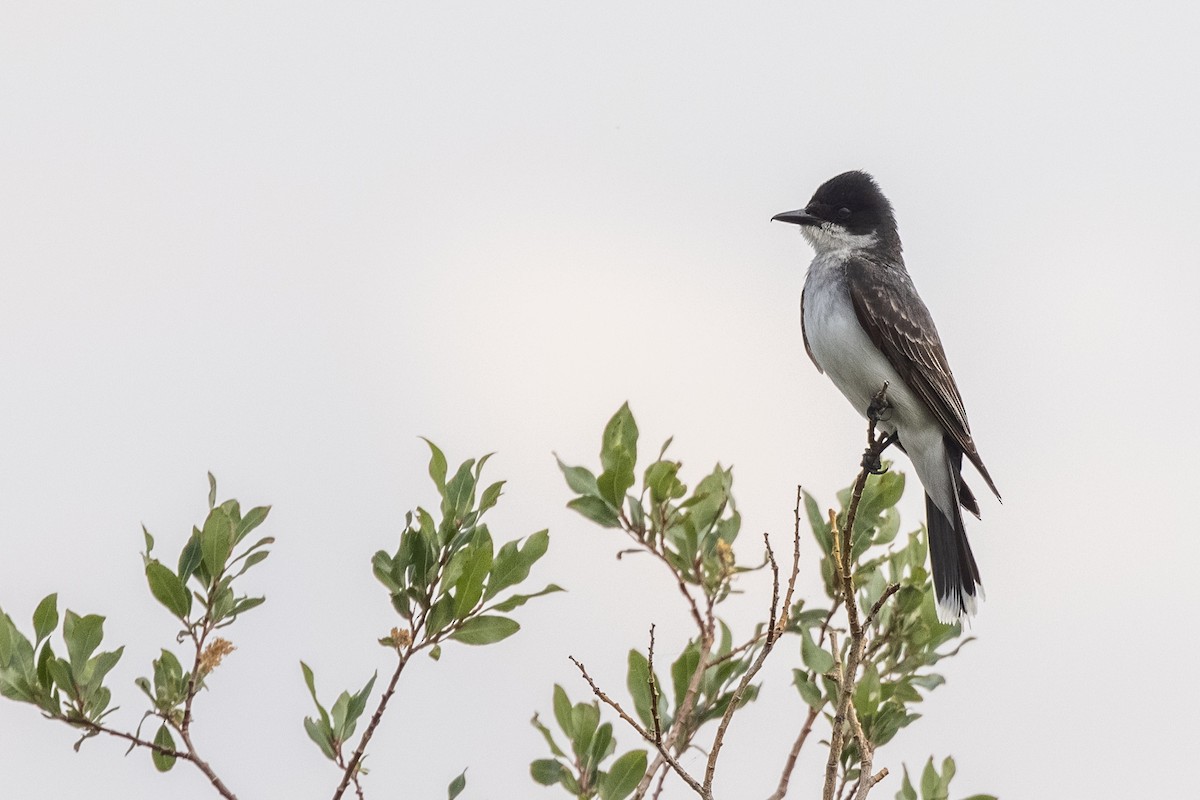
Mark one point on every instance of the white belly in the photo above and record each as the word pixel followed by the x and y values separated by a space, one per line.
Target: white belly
pixel 858 369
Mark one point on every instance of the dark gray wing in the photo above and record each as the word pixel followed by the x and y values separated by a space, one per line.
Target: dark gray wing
pixel 893 315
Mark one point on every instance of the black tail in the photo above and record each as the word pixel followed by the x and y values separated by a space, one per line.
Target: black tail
pixel 955 573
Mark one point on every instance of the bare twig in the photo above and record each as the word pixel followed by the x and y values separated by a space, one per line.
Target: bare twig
pixel 648 545
pixel 188 754
pixel 790 764
pixel 662 777
pixel 883 598
pixel 653 692
pixel 775 629
pixel 682 713
pixel 96 727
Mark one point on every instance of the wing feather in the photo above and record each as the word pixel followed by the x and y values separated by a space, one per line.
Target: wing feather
pixel 897 321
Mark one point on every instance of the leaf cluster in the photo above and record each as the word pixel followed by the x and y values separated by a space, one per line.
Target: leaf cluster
pixel 445 577
pixel 583 771
pixel 692 532
pixel 934 785
pixel 69 688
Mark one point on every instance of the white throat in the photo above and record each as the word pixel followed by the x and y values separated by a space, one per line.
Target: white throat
pixel 831 238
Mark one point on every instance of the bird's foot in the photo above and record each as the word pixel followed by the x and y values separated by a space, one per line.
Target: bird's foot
pixel 872 463
pixel 871 460
pixel 879 409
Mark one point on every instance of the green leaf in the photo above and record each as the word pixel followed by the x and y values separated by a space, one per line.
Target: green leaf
pixel 618 456
pixel 168 589
pixel 163 738
pixel 437 465
pixel 252 559
pixel 929 781
pixel 457 785
pixel 321 734
pixel 601 746
pixel 907 792
pixel 83 636
pixel 597 510
pixel 815 658
pixel 358 704
pixel 546 771
pixel 45 617
pixel 562 711
pixel 867 694
pixel 623 776
pixel 490 496
pixel 579 479
pixel 948 771
pixel 518 600
pixel 638 682
pixel 212 491
pixel 683 669
pixel 477 561
pixel 485 629
pixel 254 517
pixel 549 737
pixel 809 691
pixel 513 562
pixel 312 690
pixel 585 718
pixel 338 716
pixel 435 652
pixel 216 541
pixel 459 493
pixel 190 557
pixel 60 671
pixel 101 665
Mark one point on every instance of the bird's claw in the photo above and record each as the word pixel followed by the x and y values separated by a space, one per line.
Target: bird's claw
pixel 879 409
pixel 872 463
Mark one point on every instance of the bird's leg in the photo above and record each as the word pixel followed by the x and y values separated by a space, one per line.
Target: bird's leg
pixel 879 410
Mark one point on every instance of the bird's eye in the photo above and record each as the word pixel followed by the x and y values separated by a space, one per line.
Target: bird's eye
pixel 843 213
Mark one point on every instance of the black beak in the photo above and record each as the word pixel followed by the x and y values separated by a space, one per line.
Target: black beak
pixel 799 217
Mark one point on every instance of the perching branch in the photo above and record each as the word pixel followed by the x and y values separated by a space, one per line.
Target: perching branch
pixel 847 674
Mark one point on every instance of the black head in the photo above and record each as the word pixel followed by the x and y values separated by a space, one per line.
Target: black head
pixel 850 201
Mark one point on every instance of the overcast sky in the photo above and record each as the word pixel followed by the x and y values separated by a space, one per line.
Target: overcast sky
pixel 282 240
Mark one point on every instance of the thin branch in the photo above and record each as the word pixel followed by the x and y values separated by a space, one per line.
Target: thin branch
pixel 129 737
pixel 682 714
pixel 649 547
pixel 843 555
pixel 663 752
pixel 790 764
pixel 662 777
pixel 775 629
pixel 653 692
pixel 883 598
pixel 203 766
pixel 183 755
pixel 737 651
pixel 351 771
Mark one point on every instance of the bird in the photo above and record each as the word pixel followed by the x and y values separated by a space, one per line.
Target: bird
pixel 865 326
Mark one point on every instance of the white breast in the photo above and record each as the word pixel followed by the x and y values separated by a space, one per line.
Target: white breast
pixel 844 351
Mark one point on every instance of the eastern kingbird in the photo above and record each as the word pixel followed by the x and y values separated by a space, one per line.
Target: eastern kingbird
pixel 865 325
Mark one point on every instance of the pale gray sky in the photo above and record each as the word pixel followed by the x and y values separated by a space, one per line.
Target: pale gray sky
pixel 282 240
